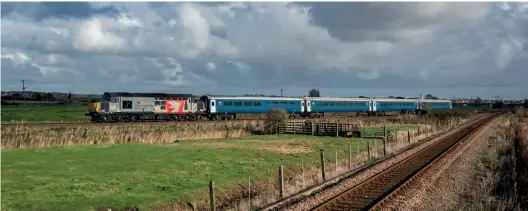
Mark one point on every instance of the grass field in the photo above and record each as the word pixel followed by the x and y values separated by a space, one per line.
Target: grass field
pixel 146 175
pixel 44 113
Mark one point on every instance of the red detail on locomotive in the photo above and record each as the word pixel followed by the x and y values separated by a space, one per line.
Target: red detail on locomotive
pixel 174 105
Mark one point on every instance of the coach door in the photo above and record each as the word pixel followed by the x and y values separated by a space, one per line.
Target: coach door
pixel 308 107
pixel 372 105
pixel 303 105
pixel 212 105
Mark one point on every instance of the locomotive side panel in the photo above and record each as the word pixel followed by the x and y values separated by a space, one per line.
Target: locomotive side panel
pixel 133 105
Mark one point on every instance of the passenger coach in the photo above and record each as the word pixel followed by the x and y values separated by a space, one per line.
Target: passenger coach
pixel 317 106
pixel 381 105
pixel 226 107
pixel 436 104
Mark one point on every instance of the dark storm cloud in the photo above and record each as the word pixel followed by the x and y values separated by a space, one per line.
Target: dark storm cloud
pixel 71 10
pixel 64 10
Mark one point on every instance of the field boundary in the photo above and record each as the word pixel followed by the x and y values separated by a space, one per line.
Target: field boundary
pixel 316 188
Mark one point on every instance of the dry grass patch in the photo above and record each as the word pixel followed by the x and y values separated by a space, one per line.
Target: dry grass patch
pixel 500 182
pixel 286 150
pixel 22 136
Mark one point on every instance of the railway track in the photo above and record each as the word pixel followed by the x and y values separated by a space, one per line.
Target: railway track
pixel 373 192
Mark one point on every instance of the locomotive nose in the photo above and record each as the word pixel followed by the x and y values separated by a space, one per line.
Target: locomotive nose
pixel 93 107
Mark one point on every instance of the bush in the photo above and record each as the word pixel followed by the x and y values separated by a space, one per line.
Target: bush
pixel 518 110
pixel 444 115
pixel 275 116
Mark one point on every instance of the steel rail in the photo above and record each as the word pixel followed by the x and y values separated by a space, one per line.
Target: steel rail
pixel 375 189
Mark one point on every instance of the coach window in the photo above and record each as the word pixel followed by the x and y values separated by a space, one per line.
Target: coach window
pixel 256 104
pixel 228 103
pixel 247 103
pixel 238 103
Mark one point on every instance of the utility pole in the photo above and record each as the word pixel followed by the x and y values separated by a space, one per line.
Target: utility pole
pixel 281 92
pixel 24 91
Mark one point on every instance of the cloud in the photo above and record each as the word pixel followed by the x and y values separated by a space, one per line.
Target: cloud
pixel 90 37
pixel 253 47
pixel 211 66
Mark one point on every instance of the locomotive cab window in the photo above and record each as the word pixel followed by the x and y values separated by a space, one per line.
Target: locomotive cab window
pixel 127 104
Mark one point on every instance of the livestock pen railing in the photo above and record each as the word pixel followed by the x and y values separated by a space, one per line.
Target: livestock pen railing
pixel 315 128
pixel 328 129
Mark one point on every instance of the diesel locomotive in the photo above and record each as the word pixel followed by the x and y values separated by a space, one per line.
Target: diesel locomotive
pixel 125 106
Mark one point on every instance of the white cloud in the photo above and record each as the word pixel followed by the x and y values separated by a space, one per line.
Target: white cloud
pixel 211 66
pixel 17 57
pixel 196 30
pixel 91 37
pixel 323 45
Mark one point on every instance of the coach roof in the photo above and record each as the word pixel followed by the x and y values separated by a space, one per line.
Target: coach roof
pixel 249 98
pixel 395 100
pixel 337 99
pixel 133 94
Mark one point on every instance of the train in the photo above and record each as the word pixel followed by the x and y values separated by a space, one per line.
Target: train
pixel 126 106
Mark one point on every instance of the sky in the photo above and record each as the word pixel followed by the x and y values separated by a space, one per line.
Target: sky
pixel 342 48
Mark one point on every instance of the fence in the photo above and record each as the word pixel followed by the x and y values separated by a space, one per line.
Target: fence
pixel 315 128
pixel 330 163
pixel 328 129
pixel 281 181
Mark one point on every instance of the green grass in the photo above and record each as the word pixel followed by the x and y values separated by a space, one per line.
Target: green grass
pixel 142 175
pixel 44 113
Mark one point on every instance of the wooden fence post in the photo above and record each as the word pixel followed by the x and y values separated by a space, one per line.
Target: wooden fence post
pixel 323 165
pixel 326 128
pixel 302 172
pixel 336 164
pixel 349 156
pixel 281 181
pixel 409 136
pixel 313 128
pixel 384 140
pixel 337 129
pixel 211 196
pixel 368 149
pixel 249 193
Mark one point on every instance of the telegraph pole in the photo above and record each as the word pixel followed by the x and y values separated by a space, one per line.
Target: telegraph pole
pixel 281 92
pixel 24 91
